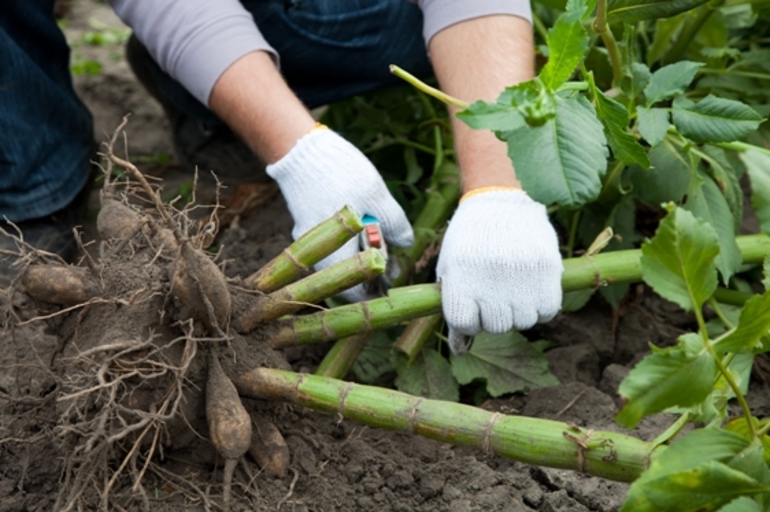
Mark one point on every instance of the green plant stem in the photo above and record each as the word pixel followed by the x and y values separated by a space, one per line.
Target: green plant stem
pixel 740 147
pixel 342 355
pixel 574 86
pixel 401 304
pixel 543 442
pixel 416 334
pixel 690 30
pixel 731 297
pixel 723 369
pixel 763 431
pixel 672 431
pixel 427 89
pixel 405 303
pixel 402 142
pixel 601 27
pixel 540 27
pixel 714 303
pixel 439 205
pixel 312 289
pixel 297 259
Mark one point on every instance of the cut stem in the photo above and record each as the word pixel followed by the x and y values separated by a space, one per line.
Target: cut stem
pixel 409 302
pixel 297 259
pixel 543 442
pixel 313 289
pixel 342 355
pixel 401 304
pixel 416 334
pixel 427 89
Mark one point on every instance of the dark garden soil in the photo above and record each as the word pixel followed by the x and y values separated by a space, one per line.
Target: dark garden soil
pixel 334 465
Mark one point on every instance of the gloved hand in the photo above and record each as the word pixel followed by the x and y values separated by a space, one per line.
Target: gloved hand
pixel 499 265
pixel 322 173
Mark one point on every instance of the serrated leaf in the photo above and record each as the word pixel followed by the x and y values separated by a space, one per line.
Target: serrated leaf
pixel 666 30
pixel 429 376
pixel 679 261
pixel 653 124
pixel 562 161
pixel 670 80
pixel 567 43
pixel 507 362
pixel 741 427
pixel 758 166
pixel 695 473
pixel 714 119
pixel 668 178
pixel 631 11
pixel 532 100
pixel 614 118
pixel 726 175
pixel 708 204
pixel 742 504
pixel 374 360
pixel 669 377
pixel 753 325
pixel 491 116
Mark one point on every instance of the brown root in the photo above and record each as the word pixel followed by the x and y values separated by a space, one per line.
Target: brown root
pixel 229 422
pixel 55 284
pixel 268 448
pixel 200 286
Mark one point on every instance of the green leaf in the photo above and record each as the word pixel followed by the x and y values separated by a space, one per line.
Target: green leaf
pixel 753 325
pixel 567 43
pixel 667 180
pixel 766 273
pixel 491 116
pixel 374 360
pixel 740 426
pixel 670 80
pixel 429 376
pixel 742 504
pixel 696 473
pixel 631 11
pixel 726 175
pixel 614 118
pixel 714 119
pixel 679 261
pixel 675 376
pixel 758 166
pixel 533 101
pixel 706 201
pixel 575 300
pixel 666 31
pixel 562 161
pixel 507 362
pixel 653 124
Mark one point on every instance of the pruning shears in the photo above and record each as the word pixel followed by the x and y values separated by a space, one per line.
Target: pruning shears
pixel 371 237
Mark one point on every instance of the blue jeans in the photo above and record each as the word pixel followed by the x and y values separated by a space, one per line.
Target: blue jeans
pixel 330 50
pixel 45 130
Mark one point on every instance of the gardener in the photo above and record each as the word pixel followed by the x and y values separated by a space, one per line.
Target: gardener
pixel 253 68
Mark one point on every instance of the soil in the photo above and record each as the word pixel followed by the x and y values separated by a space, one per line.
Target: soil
pixel 334 465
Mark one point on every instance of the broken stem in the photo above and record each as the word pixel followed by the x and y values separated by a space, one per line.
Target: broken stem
pixel 297 259
pixel 313 289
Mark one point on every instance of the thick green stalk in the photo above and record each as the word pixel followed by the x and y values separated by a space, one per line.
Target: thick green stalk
pixel 401 304
pixel 405 303
pixel 313 289
pixel 438 208
pixel 339 360
pixel 416 334
pixel 601 27
pixel 530 440
pixel 297 259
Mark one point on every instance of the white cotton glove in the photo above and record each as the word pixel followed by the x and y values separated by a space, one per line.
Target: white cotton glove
pixel 499 266
pixel 321 174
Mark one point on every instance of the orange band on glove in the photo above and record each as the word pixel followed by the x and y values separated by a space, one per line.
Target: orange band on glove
pixel 477 191
pixel 319 126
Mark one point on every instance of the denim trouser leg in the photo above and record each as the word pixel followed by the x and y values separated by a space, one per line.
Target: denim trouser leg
pixel 329 49
pixel 45 130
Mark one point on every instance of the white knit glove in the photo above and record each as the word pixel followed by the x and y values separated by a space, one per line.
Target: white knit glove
pixel 321 174
pixel 499 266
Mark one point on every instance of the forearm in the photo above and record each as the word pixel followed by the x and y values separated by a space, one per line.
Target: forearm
pixel 252 97
pixel 477 59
